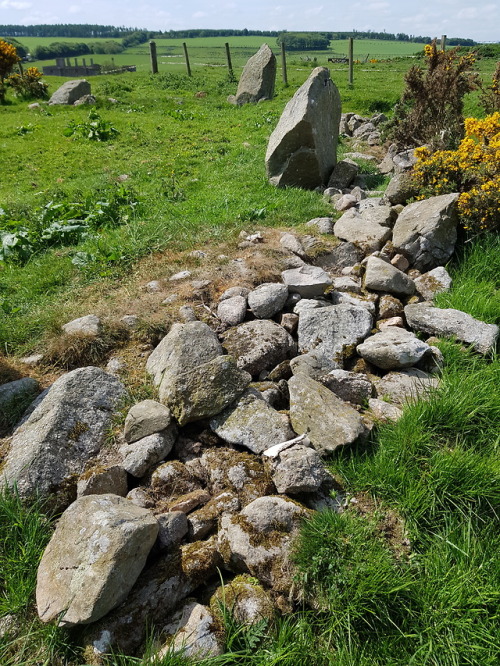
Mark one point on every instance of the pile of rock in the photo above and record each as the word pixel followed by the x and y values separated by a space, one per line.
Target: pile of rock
pixel 363 129
pixel 219 472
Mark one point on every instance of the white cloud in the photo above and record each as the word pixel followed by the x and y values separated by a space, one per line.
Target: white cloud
pixel 74 9
pixel 378 5
pixel 200 14
pixel 467 13
pixel 314 11
pixel 14 4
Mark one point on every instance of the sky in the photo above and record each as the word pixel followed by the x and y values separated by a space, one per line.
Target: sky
pixel 455 18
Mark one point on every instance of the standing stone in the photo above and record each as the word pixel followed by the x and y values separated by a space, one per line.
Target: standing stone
pixel 302 150
pixel 70 91
pixel 258 78
pixel 93 559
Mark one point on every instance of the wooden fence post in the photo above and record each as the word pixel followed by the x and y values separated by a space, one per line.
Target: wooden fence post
pixel 283 63
pixel 443 42
pixel 188 66
pixel 154 58
pixel 229 63
pixel 351 61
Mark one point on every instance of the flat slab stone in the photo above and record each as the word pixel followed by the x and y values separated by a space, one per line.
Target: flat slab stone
pixel 405 386
pixel 252 423
pixel 363 228
pixel 392 349
pixel 452 323
pixel 328 421
pixel 434 282
pixel 95 556
pixel 333 331
pixel 307 281
pixel 381 276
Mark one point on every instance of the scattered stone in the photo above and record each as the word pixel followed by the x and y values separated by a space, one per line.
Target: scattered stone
pixel 267 300
pixel 399 190
pixel 153 287
pixel 88 325
pixel 194 634
pixel 362 228
pixel 85 100
pixel 173 527
pixel 34 359
pixel 249 602
pixel 393 348
pixel 292 244
pixel 426 231
pixel 405 386
pixel 70 91
pixel 187 313
pixel 302 149
pixel 328 421
pixel 434 282
pixel 145 418
pixel 347 284
pixel 345 202
pixel 204 520
pixel 323 224
pixel 232 311
pixel 250 422
pixel 103 481
pixel 289 321
pixel 17 392
pixel 257 79
pixel 65 428
pixel 308 281
pixel 352 387
pixel 452 323
pixel 182 275
pixel 298 469
pixel 382 276
pixel 144 454
pixel 334 331
pixel 400 262
pixel 344 172
pixel 384 411
pixel 389 306
pixel 259 345
pixel 234 291
pixel 342 256
pixel 383 324
pixel 95 555
pixel 404 160
pixel 115 366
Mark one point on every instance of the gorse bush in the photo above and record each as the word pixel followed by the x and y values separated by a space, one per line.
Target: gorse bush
pixel 473 170
pixel 431 108
pixel 8 58
pixel 28 84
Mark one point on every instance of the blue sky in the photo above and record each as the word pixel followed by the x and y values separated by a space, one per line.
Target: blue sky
pixel 455 18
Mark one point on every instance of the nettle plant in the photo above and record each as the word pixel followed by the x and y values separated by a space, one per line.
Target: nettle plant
pixel 94 129
pixel 473 170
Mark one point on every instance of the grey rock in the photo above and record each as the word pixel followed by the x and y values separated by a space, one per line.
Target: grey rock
pixel 302 149
pixel 145 418
pixel 88 325
pixel 392 349
pixel 344 172
pixel 425 231
pixel 434 282
pixel 347 284
pixel 323 224
pixel 144 453
pixel 259 540
pixel 399 190
pixel 267 300
pixel 328 421
pixel 382 276
pixel 232 311
pixel 153 287
pixel 358 300
pixel 313 365
pixel 309 304
pixel 204 391
pixel 95 555
pixel 405 386
pixel 362 228
pixel 298 469
pixel 252 423
pixel 349 386
pixel 184 348
pixel 65 428
pixel 389 306
pixel 333 331
pixel 234 291
pixel 292 244
pixel 345 202
pixel 258 78
pixel 173 527
pixel 187 313
pixel 452 323
pixel 342 256
pixel 12 393
pixel 259 345
pixel 115 366
pixel 85 100
pixel 204 520
pixel 250 603
pixel 194 635
pixel 103 481
pixel 384 411
pixel 181 275
pixel 404 160
pixel 70 91
pixel 308 281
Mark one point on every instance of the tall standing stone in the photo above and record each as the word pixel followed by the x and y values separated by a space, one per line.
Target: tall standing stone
pixel 258 78
pixel 302 150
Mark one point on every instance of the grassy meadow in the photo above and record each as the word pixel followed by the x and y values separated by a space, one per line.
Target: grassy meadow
pixel 409 574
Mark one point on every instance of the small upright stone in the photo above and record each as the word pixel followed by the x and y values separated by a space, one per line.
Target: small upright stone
pixel 258 78
pixel 70 92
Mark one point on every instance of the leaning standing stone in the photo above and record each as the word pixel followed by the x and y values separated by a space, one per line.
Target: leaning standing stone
pixel 302 150
pixel 93 559
pixel 258 78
